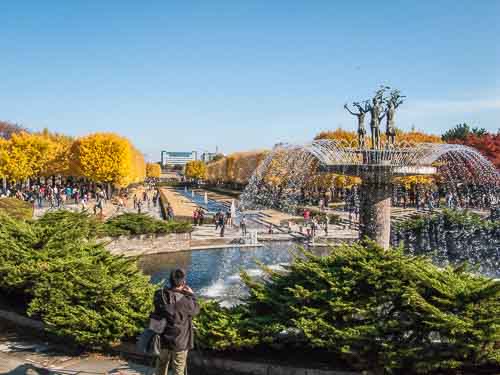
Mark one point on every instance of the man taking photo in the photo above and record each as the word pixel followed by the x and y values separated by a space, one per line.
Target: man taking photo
pixel 177 305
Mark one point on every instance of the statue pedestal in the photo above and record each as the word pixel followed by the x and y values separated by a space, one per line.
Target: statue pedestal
pixel 377 168
pixel 375 212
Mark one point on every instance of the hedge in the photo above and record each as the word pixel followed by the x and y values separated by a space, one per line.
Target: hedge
pixel 375 309
pixel 59 275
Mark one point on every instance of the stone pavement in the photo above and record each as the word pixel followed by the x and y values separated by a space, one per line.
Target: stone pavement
pixel 22 352
pixel 181 205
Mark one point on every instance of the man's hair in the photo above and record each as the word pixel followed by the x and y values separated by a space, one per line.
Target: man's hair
pixel 177 278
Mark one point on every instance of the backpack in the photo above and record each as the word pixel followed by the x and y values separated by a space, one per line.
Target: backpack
pixel 149 343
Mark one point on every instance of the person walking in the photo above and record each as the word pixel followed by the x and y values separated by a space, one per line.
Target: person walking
pixel 177 305
pixel 216 219
pixel 201 216
pixel 243 226
pixel 222 224
pixel 307 215
pixel 170 213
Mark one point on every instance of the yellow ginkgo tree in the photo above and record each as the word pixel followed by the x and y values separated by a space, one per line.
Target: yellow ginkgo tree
pixel 107 158
pixel 24 156
pixel 196 170
pixel 153 170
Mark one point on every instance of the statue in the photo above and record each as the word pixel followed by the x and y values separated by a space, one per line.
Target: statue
pixel 361 120
pixel 376 117
pixel 393 103
pixel 390 130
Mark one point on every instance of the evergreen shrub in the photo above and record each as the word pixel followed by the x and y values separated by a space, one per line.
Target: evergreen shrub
pixel 16 207
pixel 133 224
pixel 377 309
pixel 71 283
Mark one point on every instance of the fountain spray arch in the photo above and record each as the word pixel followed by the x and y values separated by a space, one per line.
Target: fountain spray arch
pixel 376 161
pixel 377 168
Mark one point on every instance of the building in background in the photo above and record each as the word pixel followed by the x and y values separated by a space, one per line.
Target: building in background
pixel 177 158
pixel 207 156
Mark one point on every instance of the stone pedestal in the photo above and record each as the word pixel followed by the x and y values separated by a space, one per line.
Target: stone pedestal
pixel 377 168
pixel 375 211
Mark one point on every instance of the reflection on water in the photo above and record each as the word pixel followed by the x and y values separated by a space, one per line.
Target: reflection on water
pixel 215 273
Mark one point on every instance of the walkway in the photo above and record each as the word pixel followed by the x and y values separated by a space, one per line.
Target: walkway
pixel 181 205
pixel 26 354
pixel 110 207
pixel 263 220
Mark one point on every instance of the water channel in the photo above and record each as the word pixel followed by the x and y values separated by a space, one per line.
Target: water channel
pixel 215 273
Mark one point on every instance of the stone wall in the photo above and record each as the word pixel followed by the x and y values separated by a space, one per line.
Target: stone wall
pixel 147 243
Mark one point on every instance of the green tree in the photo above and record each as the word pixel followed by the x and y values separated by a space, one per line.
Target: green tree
pixel 461 131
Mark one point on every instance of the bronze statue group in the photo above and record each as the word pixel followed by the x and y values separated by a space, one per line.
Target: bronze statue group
pixel 381 106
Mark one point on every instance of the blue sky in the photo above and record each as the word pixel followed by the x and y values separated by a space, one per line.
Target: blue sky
pixel 181 75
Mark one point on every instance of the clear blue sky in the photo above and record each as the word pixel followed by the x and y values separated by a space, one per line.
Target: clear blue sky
pixel 181 75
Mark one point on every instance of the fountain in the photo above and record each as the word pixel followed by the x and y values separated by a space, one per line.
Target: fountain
pixel 285 173
pixel 233 208
pixel 205 199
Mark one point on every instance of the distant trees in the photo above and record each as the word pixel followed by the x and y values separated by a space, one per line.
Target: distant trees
pixel 415 136
pixel 8 128
pixel 107 157
pixel 349 138
pixel 235 168
pixel 100 157
pixel 344 136
pixel 217 157
pixel 488 144
pixel 460 133
pixel 196 169
pixel 24 155
pixel 153 170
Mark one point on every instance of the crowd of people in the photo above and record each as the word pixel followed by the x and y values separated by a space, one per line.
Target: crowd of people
pixel 148 197
pixel 56 196
pixel 221 220
pixel 84 195
pixel 426 198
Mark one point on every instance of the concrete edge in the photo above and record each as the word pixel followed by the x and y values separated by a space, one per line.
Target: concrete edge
pixel 228 366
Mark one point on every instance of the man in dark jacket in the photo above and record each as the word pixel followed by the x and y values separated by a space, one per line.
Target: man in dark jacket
pixel 178 306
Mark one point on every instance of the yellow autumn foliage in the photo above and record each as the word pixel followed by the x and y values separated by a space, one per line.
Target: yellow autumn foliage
pixel 107 158
pixel 153 170
pixel 3 156
pixel 59 154
pixel 414 137
pixel 237 167
pixel 24 155
pixel 196 169
pixel 345 137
